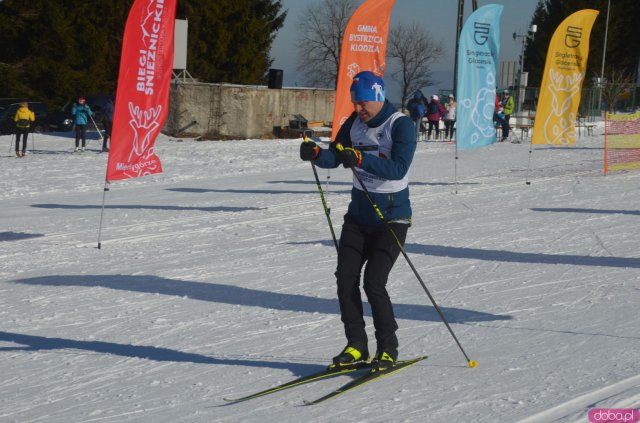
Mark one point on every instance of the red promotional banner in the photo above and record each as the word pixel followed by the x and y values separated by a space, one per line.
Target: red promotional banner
pixel 142 97
pixel 364 48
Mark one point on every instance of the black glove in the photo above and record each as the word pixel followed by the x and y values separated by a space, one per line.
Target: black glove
pixel 309 150
pixel 350 157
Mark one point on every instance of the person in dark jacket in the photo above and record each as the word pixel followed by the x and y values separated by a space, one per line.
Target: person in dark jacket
pixel 23 119
pixel 378 144
pixel 107 122
pixel 417 108
pixel 82 113
pixel 434 112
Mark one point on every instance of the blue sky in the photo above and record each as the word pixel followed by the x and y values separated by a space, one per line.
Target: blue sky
pixel 438 16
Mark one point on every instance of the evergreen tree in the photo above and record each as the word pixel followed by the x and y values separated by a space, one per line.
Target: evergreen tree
pixel 55 50
pixel 233 40
pixel 623 36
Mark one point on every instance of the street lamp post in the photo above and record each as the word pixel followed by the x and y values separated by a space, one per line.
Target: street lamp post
pixel 522 84
pixel 604 55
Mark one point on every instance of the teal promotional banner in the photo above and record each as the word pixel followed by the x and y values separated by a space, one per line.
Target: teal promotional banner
pixel 477 58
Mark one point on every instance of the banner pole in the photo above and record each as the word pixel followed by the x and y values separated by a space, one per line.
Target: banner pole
pixel 606 161
pixel 529 162
pixel 104 195
pixel 455 167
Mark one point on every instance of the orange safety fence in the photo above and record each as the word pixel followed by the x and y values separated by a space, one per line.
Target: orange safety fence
pixel 621 142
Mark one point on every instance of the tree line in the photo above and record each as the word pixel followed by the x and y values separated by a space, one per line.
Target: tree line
pixel 55 50
pixel 623 38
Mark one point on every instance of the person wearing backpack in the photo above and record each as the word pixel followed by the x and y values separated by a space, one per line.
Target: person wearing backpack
pixel 434 112
pixel 416 107
pixel 82 112
pixel 23 119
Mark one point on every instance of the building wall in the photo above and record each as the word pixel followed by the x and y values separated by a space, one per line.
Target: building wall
pixel 240 111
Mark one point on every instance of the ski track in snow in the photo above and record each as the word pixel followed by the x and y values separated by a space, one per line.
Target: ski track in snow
pixel 215 279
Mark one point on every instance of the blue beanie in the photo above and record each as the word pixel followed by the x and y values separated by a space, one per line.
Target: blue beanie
pixel 367 86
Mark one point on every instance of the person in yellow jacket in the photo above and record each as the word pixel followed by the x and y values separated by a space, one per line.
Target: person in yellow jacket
pixel 23 118
pixel 507 109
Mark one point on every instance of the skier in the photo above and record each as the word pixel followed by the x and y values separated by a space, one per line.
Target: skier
pixel 23 118
pixel 379 143
pixel 81 111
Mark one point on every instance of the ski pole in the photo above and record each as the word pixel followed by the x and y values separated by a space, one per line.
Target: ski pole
pixel 472 363
pixel 327 210
pixel 33 142
pixel 96 126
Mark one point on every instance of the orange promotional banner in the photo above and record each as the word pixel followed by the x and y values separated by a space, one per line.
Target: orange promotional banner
pixel 364 48
pixel 564 71
pixel 142 99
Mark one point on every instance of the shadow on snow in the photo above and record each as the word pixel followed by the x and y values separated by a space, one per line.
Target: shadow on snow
pixel 513 257
pixel 235 295
pixel 207 292
pixel 589 211
pixel 16 236
pixel 251 191
pixel 41 343
pixel 323 182
pixel 116 206
pixel 300 182
pixel 507 256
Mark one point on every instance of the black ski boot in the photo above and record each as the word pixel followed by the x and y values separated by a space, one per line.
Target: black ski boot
pixel 351 355
pixel 383 360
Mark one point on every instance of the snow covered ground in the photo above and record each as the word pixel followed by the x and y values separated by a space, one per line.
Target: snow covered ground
pixel 215 279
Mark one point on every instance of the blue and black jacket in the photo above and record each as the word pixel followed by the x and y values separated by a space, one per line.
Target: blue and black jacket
pixel 396 207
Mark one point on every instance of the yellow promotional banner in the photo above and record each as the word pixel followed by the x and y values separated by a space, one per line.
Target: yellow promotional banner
pixel 564 72
pixel 364 47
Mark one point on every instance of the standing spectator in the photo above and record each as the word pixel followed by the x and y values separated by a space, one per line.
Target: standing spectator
pixel 450 117
pixel 417 108
pixel 507 108
pixel 499 119
pixel 496 108
pixel 379 144
pixel 81 111
pixel 434 112
pixel 107 122
pixel 23 119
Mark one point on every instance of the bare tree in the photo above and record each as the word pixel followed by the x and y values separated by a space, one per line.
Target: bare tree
pixel 321 28
pixel 616 84
pixel 413 51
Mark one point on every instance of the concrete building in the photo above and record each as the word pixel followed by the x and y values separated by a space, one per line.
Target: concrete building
pixel 226 111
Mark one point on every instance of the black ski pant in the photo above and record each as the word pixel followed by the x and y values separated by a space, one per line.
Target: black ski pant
pixel 107 133
pixel 81 134
pixel 375 246
pixel 25 133
pixel 448 129
pixel 506 127
pixel 434 125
